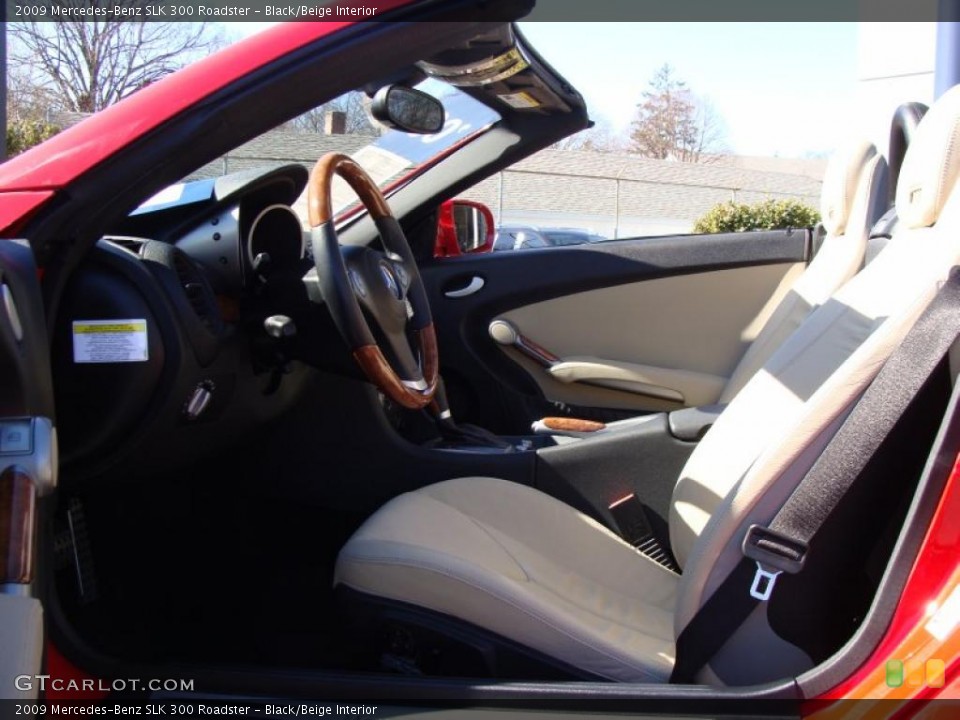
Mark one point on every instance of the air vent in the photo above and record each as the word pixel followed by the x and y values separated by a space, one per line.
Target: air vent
pixel 196 291
pixel 133 244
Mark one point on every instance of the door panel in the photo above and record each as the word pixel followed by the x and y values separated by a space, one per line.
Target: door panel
pixel 668 343
pixel 666 310
pixel 27 462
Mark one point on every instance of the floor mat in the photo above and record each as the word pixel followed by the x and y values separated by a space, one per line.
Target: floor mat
pixel 208 571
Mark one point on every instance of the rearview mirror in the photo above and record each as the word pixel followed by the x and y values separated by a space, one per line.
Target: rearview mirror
pixel 463 227
pixel 406 109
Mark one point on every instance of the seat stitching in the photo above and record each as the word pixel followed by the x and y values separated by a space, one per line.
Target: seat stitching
pixel 802 351
pixel 486 532
pixel 432 568
pixel 629 625
pixel 531 579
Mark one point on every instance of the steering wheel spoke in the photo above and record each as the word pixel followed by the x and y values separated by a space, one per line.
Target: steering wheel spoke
pixel 362 286
pixel 401 356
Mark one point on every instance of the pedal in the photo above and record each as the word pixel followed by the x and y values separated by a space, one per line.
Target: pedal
pixel 72 548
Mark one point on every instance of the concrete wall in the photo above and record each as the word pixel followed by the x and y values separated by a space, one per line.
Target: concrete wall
pixel 608 194
pixel 895 63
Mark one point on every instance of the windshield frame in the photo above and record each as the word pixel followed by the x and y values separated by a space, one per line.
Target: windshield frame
pixel 481 119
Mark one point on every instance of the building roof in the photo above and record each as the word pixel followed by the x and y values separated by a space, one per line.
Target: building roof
pixel 569 181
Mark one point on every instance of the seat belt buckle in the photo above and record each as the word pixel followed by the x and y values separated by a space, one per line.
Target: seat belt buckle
pixel 763 583
pixel 774 553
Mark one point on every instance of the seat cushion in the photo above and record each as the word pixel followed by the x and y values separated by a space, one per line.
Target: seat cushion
pixel 525 566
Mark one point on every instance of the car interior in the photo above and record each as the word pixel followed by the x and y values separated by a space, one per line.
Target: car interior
pixel 317 461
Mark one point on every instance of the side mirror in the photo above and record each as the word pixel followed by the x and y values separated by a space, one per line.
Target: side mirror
pixel 463 227
pixel 409 110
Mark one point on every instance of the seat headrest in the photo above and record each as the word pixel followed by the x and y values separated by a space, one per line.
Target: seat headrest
pixel 931 164
pixel 846 169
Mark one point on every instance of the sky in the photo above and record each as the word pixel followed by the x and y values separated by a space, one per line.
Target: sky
pixel 780 88
pixel 775 88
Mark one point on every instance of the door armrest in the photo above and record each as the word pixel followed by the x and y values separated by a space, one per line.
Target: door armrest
pixel 682 386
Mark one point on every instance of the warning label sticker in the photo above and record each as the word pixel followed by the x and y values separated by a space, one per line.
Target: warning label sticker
pixel 520 100
pixel 109 341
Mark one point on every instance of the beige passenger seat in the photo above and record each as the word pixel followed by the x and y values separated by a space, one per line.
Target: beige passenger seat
pixel 522 565
pixel 853 197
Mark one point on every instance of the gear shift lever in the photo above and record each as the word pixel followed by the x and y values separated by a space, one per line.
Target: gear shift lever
pixel 461 434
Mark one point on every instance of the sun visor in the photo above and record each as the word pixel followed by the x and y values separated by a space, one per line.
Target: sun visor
pixel 498 65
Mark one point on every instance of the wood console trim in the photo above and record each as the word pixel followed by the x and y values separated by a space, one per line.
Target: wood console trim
pixel 572 424
pixel 18 504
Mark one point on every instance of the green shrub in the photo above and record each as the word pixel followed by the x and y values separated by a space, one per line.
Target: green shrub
pixel 24 134
pixel 767 215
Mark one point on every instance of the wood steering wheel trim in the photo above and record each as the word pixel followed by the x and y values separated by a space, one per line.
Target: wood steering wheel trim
pixel 319 204
pixel 371 360
pixel 370 357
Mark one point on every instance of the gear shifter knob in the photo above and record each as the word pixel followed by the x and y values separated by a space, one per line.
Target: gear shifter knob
pixel 279 326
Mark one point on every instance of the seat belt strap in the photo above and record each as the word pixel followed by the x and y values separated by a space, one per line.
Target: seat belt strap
pixel 782 546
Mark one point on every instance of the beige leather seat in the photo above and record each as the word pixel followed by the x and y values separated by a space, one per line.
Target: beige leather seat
pixel 523 565
pixel 852 199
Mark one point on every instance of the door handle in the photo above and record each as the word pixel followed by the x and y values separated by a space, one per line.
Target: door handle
pixel 476 283
pixel 506 333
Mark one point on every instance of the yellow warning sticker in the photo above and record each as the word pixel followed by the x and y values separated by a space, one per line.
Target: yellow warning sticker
pixel 110 341
pixel 520 100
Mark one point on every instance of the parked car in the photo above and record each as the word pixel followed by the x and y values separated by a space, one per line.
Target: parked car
pixel 518 237
pixel 243 470
pixel 522 237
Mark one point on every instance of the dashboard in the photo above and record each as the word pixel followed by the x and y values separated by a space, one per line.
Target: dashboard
pixel 179 334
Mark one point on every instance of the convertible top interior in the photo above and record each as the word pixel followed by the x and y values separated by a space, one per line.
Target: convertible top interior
pixel 322 457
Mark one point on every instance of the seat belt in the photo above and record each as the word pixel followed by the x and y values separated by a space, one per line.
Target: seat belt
pixel 782 546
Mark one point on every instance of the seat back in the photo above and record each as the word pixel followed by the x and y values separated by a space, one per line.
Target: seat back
pixel 853 197
pixel 776 427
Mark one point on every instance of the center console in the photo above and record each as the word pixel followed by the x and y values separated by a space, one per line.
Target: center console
pixel 594 466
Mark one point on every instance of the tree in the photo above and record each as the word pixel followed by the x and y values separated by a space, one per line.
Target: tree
pixel 28 117
pixel 86 65
pixel 674 124
pixel 767 215
pixel 351 104
pixel 599 138
pixel 24 134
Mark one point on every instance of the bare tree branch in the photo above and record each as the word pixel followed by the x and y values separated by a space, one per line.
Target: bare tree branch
pixel 600 138
pixel 352 105
pixel 87 65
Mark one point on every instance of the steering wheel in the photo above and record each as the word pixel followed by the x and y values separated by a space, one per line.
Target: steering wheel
pixel 399 353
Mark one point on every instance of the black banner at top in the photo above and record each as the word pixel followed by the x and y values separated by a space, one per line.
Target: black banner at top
pixel 544 10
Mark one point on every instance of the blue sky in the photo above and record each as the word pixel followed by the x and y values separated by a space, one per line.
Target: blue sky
pixel 779 87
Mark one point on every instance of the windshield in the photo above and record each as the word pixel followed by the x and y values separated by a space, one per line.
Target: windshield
pixel 390 157
pixel 394 154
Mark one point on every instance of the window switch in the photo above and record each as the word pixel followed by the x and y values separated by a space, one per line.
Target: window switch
pixel 15 437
